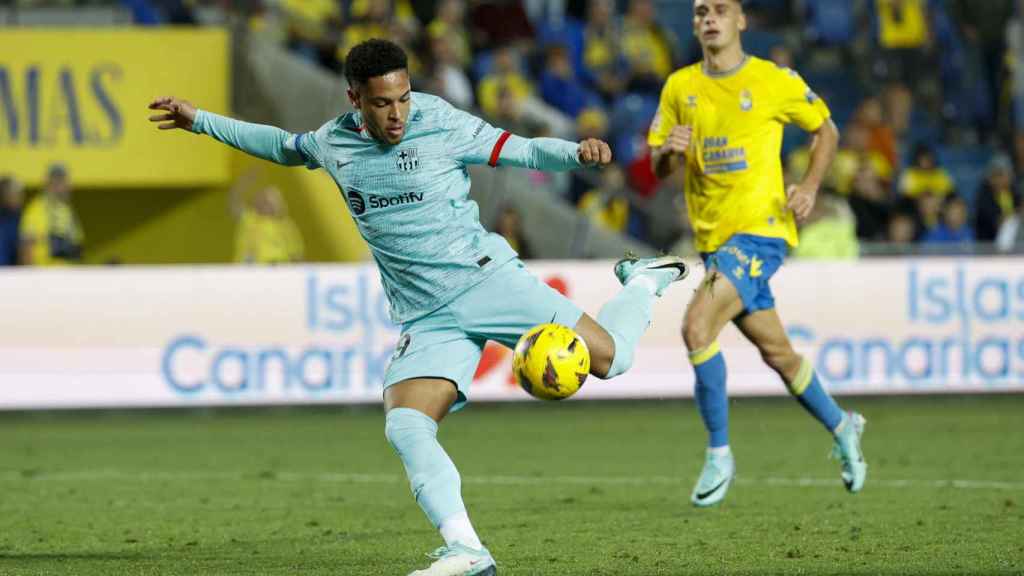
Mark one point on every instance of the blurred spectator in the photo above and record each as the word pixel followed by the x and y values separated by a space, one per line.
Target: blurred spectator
pixel 925 176
pixel 869 201
pixel 11 199
pixel 880 138
pixel 1011 233
pixel 953 228
pixel 855 151
pixel 447 78
pixel 898 103
pixel 602 49
pixel 50 233
pixel 450 24
pixel 265 233
pixel 903 34
pixel 648 46
pixel 830 232
pixel 309 24
pixel 996 199
pixel 510 226
pixel 608 204
pixel 830 22
pixel 499 23
pixel 929 208
pixel 983 27
pixel 902 228
pixel 391 19
pixel 512 117
pixel 558 84
pixel 506 78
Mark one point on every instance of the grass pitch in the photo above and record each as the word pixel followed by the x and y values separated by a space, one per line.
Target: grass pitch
pixel 571 488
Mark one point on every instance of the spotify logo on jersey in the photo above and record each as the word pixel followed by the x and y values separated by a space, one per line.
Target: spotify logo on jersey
pixel 356 202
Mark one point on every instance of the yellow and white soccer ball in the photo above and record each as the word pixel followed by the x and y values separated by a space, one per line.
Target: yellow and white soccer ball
pixel 551 362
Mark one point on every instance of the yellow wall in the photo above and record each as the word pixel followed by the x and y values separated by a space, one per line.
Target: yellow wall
pixel 170 226
pixel 80 96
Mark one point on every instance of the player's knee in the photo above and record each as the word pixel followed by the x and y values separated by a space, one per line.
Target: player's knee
pixel 403 426
pixel 783 360
pixel 696 334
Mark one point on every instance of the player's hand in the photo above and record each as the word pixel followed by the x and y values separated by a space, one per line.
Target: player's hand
pixel 594 152
pixel 800 199
pixel 179 113
pixel 678 141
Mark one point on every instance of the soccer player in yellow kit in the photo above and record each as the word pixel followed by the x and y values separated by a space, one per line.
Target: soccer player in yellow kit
pixel 721 120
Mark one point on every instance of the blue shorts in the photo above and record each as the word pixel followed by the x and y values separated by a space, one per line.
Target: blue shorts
pixel 749 262
pixel 447 343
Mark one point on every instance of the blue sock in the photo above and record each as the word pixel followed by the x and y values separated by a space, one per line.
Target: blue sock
pixel 709 367
pixel 813 397
pixel 432 475
pixel 626 317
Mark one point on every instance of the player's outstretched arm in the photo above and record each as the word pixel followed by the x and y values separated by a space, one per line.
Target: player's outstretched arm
pixel 474 141
pixel 267 142
pixel 552 154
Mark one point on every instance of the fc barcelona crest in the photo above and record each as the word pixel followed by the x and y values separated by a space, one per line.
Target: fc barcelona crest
pixel 408 160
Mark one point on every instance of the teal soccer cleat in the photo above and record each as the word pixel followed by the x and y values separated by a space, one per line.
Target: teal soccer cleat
pixel 714 481
pixel 663 270
pixel 847 450
pixel 459 560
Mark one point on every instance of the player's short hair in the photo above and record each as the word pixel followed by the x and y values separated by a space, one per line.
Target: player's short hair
pixel 372 58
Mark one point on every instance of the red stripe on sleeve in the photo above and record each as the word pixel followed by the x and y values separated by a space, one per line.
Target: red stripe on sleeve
pixel 496 152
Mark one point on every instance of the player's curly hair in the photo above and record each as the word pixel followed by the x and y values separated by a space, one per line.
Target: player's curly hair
pixel 372 58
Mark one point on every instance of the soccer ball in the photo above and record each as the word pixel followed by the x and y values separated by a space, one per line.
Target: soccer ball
pixel 551 362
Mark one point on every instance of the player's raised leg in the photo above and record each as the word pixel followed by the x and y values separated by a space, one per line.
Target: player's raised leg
pixel 765 330
pixel 621 322
pixel 415 407
pixel 715 303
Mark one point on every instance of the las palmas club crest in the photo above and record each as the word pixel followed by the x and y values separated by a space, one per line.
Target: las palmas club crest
pixel 408 160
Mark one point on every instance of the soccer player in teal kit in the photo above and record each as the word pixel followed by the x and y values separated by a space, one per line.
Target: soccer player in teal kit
pixel 400 162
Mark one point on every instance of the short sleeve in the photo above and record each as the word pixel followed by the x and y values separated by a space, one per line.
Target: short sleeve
pixel 799 104
pixel 473 140
pixel 666 118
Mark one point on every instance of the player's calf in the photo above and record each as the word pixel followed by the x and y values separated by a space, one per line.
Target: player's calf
pixel 626 316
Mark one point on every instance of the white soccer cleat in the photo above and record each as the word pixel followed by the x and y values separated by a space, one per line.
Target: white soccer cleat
pixel 714 481
pixel 459 560
pixel 847 449
pixel 663 270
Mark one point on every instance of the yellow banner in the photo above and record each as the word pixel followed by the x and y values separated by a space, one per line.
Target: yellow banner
pixel 79 97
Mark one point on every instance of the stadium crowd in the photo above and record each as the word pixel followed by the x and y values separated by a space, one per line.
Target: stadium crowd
pixel 932 149
pixel 921 89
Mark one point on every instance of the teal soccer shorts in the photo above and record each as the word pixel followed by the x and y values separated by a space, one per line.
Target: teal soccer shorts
pixel 447 343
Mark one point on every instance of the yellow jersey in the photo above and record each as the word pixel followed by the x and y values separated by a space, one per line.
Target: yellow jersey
pixel 267 240
pixel 734 179
pixel 54 230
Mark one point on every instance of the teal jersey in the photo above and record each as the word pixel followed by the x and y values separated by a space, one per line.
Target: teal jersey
pixel 410 201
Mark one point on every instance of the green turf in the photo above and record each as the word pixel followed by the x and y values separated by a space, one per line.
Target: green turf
pixel 572 488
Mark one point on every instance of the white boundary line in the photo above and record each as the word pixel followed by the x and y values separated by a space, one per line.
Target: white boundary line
pixel 355 478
